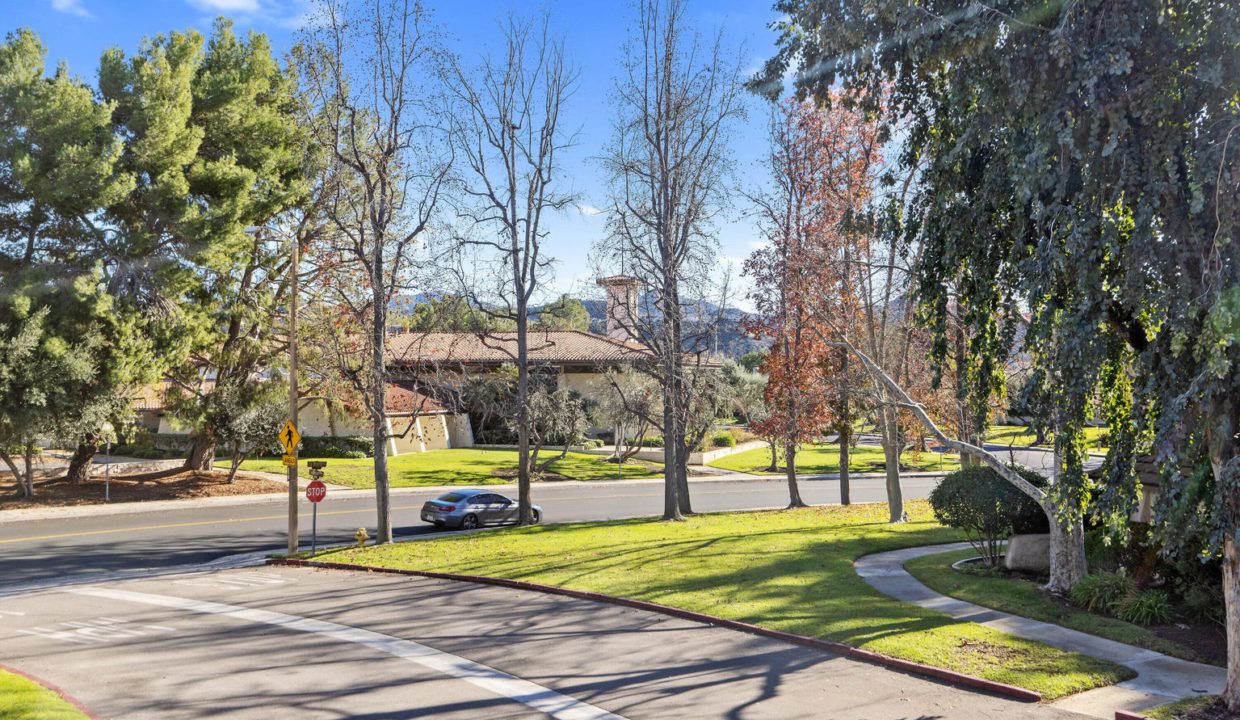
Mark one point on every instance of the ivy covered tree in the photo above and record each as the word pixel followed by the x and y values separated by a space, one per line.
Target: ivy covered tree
pixel 1080 160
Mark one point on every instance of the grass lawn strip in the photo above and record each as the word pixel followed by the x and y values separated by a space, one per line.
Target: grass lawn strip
pixel 1022 436
pixel 24 699
pixel 825 458
pixel 1025 598
pixel 1180 708
pixel 460 466
pixel 783 570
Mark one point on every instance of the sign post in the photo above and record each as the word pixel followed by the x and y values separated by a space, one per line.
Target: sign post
pixel 315 492
pixel 289 439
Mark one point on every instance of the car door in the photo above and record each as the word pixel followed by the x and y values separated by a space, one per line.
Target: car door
pixel 484 508
pixel 506 510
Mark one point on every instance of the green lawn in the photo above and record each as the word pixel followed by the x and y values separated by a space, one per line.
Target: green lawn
pixel 22 699
pixel 816 458
pixel 1180 708
pixel 458 466
pixel 1020 436
pixel 787 570
pixel 1026 598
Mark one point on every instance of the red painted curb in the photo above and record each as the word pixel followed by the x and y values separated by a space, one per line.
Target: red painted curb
pixel 1125 715
pixel 63 695
pixel 839 648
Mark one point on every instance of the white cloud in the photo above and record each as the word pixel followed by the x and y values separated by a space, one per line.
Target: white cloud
pixel 72 7
pixel 589 211
pixel 227 6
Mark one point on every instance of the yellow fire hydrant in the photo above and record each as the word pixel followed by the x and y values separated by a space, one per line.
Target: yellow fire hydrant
pixel 361 537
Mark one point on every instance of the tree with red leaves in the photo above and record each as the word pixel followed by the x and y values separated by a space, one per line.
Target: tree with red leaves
pixel 786 280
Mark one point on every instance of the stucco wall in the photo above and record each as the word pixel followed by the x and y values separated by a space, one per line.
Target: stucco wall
pixel 588 384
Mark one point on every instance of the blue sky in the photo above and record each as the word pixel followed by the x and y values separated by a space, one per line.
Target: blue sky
pixel 78 31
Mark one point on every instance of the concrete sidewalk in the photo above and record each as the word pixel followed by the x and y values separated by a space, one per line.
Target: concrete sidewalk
pixel 1160 678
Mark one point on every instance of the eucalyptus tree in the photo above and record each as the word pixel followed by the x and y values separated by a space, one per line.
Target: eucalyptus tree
pixel 509 134
pixel 1080 161
pixel 378 122
pixel 676 100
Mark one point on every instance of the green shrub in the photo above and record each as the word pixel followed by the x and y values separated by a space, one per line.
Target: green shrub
pixel 987 508
pixel 1148 607
pixel 592 443
pixel 723 440
pixel 655 441
pixel 338 446
pixel 1101 592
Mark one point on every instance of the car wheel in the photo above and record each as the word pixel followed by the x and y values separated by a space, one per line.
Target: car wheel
pixel 469 522
pixel 535 516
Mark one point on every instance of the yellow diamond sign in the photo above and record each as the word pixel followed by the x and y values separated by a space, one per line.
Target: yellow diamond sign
pixel 289 437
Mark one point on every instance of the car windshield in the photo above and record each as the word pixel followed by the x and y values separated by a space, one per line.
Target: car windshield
pixel 450 497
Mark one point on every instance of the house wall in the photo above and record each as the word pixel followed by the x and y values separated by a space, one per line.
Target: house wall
pixel 588 384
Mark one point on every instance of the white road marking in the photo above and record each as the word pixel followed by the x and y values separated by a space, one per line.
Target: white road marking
pixel 233 581
pixel 86 632
pixel 561 707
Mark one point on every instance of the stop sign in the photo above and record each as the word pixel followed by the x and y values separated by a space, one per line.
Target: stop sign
pixel 316 491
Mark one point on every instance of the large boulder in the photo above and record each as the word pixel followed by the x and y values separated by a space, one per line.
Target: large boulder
pixel 1028 553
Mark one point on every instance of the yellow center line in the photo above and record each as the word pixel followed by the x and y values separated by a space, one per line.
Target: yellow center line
pixel 263 518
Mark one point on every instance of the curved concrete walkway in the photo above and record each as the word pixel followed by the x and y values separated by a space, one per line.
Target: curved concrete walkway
pixel 1160 678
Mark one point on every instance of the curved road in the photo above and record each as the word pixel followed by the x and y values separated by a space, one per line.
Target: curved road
pixel 46 551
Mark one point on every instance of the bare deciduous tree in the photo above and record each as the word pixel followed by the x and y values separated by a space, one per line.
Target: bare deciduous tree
pixel 363 66
pixel 509 135
pixel 676 98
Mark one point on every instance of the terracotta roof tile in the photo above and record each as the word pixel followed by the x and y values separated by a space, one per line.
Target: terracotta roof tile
pixel 553 346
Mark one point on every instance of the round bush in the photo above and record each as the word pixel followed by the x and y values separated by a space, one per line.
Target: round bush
pixel 723 440
pixel 987 508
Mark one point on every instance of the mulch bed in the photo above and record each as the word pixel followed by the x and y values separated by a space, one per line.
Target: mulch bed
pixel 1208 641
pixel 172 484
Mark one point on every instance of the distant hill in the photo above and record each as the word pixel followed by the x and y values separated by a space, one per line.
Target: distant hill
pixel 727 338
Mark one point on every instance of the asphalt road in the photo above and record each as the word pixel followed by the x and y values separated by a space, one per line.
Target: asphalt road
pixel 44 552
pixel 266 643
pixel 64 550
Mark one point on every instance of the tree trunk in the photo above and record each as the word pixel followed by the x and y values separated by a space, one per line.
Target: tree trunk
pixel 525 500
pixel 28 458
pixel 682 471
pixel 682 481
pixel 1221 441
pixel 202 452
pixel 1231 604
pixel 378 410
pixel 671 484
pixel 790 465
pixel 845 440
pixel 891 455
pixel 232 468
pixel 19 478
pixel 774 466
pixel 1067 553
pixel 80 463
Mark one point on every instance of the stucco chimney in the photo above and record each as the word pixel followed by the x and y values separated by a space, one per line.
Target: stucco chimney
pixel 621 306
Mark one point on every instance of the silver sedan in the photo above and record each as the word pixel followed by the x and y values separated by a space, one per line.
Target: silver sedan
pixel 469 509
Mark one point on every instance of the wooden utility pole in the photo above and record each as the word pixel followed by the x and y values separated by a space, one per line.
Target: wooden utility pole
pixel 294 262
